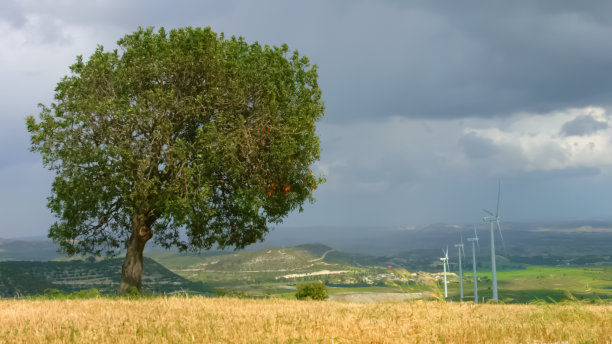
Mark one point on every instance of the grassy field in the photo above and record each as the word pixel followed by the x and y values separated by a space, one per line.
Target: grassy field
pixel 545 283
pixel 226 320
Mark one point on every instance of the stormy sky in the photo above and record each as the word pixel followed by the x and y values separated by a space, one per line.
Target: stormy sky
pixel 428 103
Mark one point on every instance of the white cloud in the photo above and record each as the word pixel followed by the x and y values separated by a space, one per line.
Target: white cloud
pixel 374 157
pixel 542 146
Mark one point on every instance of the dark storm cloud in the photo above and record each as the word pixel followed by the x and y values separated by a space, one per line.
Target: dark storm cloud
pixel 419 59
pixel 583 126
pixel 459 60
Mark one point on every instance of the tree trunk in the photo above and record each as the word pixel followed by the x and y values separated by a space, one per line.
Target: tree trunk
pixel 131 271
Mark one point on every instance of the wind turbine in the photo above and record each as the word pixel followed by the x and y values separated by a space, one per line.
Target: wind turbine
pixel 494 219
pixel 460 250
pixel 445 264
pixel 474 242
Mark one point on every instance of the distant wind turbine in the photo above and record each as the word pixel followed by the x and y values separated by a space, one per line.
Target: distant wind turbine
pixel 494 219
pixel 445 264
pixel 474 242
pixel 461 251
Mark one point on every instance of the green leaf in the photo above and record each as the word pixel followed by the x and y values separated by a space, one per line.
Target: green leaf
pixel 179 130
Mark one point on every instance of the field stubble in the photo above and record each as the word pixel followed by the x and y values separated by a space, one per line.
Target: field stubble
pixel 227 320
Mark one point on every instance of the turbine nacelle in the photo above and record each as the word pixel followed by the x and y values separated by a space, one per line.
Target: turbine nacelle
pixel 490 219
pixel 461 248
pixel 445 258
pixel 475 238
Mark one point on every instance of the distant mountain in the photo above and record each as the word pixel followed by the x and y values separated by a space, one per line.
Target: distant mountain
pixel 524 239
pixel 573 243
pixel 28 250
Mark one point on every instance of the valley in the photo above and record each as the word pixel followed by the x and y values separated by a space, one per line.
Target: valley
pixel 538 266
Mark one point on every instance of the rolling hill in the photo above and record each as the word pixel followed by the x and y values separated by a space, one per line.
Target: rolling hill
pixel 267 265
pixel 21 278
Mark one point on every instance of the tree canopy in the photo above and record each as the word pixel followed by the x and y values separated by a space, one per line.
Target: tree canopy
pixel 179 131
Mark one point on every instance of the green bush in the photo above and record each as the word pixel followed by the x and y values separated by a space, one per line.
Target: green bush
pixel 54 294
pixel 311 291
pixel 132 293
pixel 230 293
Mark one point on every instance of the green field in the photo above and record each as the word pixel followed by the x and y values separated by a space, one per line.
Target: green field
pixel 542 283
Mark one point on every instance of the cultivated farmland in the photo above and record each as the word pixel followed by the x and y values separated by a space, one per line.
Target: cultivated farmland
pixel 226 320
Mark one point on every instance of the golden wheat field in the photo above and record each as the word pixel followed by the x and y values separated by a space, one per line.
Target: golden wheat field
pixel 226 320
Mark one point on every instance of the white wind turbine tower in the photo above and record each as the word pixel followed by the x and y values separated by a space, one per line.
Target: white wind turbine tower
pixel 494 219
pixel 461 251
pixel 474 242
pixel 445 264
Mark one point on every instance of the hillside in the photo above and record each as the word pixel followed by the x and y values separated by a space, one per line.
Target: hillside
pixel 267 265
pixel 19 278
pixel 557 243
pixel 276 271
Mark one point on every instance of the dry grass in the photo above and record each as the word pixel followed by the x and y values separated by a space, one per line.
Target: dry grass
pixel 202 320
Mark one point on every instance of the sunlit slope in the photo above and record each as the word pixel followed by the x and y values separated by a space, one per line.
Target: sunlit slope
pixel 274 264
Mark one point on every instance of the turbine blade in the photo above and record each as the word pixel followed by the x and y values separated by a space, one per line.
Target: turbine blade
pixel 488 212
pixel 498 192
pixel 502 237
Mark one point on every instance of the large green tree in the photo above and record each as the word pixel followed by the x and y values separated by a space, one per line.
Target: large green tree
pixel 184 136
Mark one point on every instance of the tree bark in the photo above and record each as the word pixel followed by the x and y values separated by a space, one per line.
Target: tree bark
pixel 131 271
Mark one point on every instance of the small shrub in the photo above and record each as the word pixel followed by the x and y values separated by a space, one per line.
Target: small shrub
pixel 230 293
pixel 92 293
pixel 51 293
pixel 311 291
pixel 132 293
pixel 54 294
